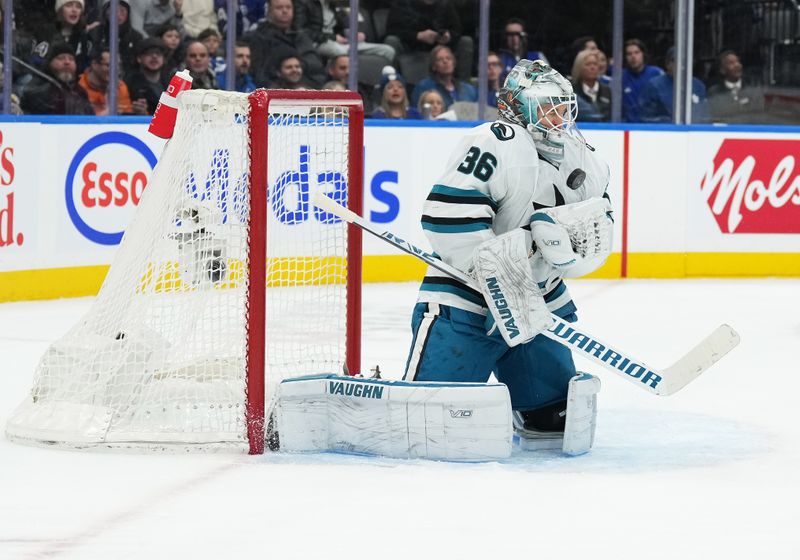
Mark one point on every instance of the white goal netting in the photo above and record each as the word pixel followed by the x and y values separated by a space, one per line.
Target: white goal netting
pixel 161 357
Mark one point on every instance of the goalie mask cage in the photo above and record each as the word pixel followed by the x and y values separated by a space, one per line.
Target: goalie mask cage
pixel 227 280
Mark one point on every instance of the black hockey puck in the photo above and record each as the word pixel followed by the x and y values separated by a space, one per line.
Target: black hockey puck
pixel 576 179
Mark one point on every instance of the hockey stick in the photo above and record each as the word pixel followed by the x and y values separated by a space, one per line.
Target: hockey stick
pixel 661 382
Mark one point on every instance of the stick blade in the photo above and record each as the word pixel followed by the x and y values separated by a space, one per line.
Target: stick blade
pixel 708 352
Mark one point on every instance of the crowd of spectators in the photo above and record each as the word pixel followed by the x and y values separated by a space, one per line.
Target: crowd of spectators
pixel 425 61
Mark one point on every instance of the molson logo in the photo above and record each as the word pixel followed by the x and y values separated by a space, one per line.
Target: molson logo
pixel 104 183
pixel 753 186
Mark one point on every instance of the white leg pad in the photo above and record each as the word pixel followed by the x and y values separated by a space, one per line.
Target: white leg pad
pixel 578 435
pixel 581 414
pixel 444 421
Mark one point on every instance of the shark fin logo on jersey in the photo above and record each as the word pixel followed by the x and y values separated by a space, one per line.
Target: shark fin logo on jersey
pixel 502 131
pixel 558 200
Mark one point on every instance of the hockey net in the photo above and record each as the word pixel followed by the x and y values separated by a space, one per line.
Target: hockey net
pixel 191 331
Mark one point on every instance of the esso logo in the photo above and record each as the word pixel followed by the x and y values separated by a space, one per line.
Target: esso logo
pixel 753 186
pixel 104 184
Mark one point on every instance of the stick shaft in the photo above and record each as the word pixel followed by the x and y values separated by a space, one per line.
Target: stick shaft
pixel 658 382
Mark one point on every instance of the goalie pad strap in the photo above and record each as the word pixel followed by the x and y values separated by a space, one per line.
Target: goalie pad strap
pixel 512 294
pixel 445 421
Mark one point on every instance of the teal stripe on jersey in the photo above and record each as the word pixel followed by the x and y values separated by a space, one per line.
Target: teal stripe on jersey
pixel 455 290
pixel 456 228
pixel 555 294
pixel 452 191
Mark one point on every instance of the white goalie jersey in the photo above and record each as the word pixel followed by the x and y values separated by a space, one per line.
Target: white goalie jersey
pixel 493 182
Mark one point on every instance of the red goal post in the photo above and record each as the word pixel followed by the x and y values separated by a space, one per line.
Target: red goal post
pixel 261 101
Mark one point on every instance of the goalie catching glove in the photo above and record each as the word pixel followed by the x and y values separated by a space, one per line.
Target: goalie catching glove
pixel 576 238
pixel 504 273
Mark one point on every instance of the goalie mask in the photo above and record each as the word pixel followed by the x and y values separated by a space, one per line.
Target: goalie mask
pixel 540 99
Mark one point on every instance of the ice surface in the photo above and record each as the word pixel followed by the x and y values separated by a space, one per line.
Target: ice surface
pixel 709 473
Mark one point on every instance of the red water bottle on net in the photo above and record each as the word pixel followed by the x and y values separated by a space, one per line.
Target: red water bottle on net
pixel 163 122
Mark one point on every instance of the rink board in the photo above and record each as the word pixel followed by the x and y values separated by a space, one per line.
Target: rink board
pixel 699 201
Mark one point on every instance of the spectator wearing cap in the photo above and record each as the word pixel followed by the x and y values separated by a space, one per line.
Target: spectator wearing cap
pixel 94 82
pixel 148 82
pixel 198 63
pixel 157 13
pixel 68 27
pixel 57 92
pixel 241 61
pixel 655 103
pixel 129 38
pixel 394 98
pixel 290 74
pixel 635 76
pixel 442 79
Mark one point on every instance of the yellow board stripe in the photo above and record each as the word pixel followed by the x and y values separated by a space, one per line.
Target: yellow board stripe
pixel 86 280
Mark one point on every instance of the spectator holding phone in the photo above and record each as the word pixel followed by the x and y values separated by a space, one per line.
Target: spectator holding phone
pixel 147 82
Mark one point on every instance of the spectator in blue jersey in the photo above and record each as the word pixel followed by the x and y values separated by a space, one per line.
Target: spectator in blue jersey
pixel 656 101
pixel 516 46
pixel 394 98
pixel 635 76
pixel 241 61
pixel 594 98
pixel 442 79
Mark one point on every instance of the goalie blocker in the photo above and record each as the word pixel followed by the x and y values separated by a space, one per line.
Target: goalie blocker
pixel 413 420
